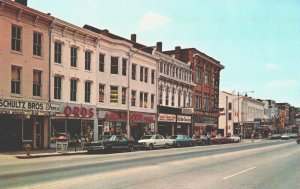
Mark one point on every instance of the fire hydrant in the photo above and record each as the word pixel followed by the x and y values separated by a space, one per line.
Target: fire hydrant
pixel 28 148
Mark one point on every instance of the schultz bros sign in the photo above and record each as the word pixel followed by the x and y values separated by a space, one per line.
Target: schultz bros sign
pixel 10 104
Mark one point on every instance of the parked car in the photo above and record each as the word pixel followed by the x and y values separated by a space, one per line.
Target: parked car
pixel 234 138
pixel 293 135
pixel 111 142
pixel 155 141
pixel 275 136
pixel 219 139
pixel 183 140
pixel 285 137
pixel 201 140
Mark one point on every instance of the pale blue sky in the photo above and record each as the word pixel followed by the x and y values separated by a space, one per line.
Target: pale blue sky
pixel 258 41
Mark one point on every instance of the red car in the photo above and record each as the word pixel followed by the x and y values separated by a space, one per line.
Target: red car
pixel 219 139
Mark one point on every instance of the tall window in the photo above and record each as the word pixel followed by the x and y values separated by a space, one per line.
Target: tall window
pixel 173 97
pixel 37 83
pixel 161 67
pixel 101 62
pixel 87 91
pixel 179 99
pixel 184 99
pixel 229 116
pixel 114 65
pixel 124 91
pixel 206 78
pixel 152 76
pixel 113 95
pixel 16 38
pixel 206 102
pixel 37 44
pixel 57 87
pixel 141 73
pixel 15 80
pixel 152 101
pixel 141 99
pixel 167 96
pixel 133 72
pixel 101 92
pixel 133 97
pixel 124 66
pixel 73 90
pixel 57 52
pixel 145 100
pixel 229 106
pixel 73 56
pixel 160 94
pixel 198 100
pixel 88 60
pixel 146 75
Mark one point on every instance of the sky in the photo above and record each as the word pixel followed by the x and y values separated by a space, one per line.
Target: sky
pixel 258 41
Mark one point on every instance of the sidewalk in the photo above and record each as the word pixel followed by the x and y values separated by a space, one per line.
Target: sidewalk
pixel 38 153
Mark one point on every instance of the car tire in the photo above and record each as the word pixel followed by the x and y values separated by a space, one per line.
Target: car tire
pixel 109 149
pixel 130 148
pixel 166 146
pixel 178 145
pixel 151 147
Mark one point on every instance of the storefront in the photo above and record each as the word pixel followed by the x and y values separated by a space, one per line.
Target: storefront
pixel 24 122
pixel 73 120
pixel 166 124
pixel 183 125
pixel 115 122
pixel 205 125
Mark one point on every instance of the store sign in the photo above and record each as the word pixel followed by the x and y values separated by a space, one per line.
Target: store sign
pixel 187 111
pixel 79 111
pixel 28 105
pixel 134 117
pixel 184 119
pixel 167 117
pixel 205 119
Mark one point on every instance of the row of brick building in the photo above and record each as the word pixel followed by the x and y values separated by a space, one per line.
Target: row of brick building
pixel 84 81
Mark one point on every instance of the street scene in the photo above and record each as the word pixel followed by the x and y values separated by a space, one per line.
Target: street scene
pixel 155 94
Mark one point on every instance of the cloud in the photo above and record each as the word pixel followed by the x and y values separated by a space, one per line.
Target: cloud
pixel 281 84
pixel 272 66
pixel 153 20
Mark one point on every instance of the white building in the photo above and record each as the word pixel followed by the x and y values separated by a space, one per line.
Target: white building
pixel 226 116
pixel 126 73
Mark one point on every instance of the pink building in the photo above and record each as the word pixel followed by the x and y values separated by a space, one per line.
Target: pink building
pixel 24 58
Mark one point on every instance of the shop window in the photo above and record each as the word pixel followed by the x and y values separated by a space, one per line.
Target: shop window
pixel 27 130
pixel 37 44
pixel 37 83
pixel 113 95
pixel 15 80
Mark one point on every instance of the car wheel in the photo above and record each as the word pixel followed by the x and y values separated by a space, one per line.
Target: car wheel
pixel 109 149
pixel 166 146
pixel 191 144
pixel 130 148
pixel 178 145
pixel 151 147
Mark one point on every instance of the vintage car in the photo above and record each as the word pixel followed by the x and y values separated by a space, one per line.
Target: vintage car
pixel 155 141
pixel 201 140
pixel 109 143
pixel 183 140
pixel 234 138
pixel 219 139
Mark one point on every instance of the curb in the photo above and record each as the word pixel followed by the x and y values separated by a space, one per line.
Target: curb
pixel 49 155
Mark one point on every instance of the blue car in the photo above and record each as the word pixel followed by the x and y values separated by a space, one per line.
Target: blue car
pixel 183 140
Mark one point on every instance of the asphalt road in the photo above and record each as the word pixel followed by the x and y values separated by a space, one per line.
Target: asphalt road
pixel 263 165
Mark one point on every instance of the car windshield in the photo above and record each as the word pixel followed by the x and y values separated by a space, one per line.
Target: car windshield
pixel 174 137
pixel 146 137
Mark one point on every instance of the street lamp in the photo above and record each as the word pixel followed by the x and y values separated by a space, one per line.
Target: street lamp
pixel 238 98
pixel 130 55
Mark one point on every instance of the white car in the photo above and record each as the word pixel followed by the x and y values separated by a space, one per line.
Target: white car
pixel 155 141
pixel 234 138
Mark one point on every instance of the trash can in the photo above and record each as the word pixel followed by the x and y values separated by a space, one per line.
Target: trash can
pixel 61 144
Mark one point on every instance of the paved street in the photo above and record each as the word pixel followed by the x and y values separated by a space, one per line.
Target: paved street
pixel 265 164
